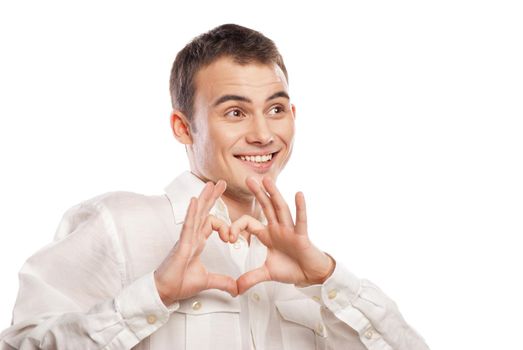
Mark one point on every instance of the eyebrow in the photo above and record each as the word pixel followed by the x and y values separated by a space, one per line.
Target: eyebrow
pixel 226 98
pixel 278 94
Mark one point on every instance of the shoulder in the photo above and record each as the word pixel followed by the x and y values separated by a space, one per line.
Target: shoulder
pixel 114 208
pixel 116 202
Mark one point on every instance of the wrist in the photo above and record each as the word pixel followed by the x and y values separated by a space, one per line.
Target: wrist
pixel 322 274
pixel 162 290
pixel 330 269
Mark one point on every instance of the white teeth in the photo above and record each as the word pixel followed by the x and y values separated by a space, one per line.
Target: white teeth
pixel 257 159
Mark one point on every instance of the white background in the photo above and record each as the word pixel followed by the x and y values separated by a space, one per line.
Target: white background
pixel 409 137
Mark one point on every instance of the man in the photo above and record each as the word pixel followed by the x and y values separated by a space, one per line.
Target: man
pixel 147 272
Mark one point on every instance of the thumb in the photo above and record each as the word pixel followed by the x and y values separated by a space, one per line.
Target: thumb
pixel 252 278
pixel 222 282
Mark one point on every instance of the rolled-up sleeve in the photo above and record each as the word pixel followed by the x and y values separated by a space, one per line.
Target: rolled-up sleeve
pixel 350 304
pixel 74 293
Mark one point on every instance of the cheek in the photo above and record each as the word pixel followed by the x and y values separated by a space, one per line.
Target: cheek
pixel 221 139
pixel 285 130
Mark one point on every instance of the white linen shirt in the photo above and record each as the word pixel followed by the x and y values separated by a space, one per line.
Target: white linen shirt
pixel 93 288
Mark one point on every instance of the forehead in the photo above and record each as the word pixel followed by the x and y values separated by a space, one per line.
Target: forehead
pixel 224 76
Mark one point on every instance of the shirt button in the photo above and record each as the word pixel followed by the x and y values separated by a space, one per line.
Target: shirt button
pixel 320 329
pixel 151 319
pixel 316 298
pixel 255 296
pixel 332 293
pixel 369 333
pixel 196 305
pixel 237 245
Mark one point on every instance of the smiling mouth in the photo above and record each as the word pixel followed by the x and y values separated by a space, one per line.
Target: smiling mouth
pixel 258 161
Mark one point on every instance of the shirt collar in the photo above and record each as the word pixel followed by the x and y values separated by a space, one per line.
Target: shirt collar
pixel 180 191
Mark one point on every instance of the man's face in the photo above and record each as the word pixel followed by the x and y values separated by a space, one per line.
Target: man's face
pixel 244 123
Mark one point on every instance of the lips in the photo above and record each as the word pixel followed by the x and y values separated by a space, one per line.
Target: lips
pixel 259 162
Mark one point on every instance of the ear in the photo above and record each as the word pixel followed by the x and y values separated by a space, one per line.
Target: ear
pixel 293 108
pixel 181 127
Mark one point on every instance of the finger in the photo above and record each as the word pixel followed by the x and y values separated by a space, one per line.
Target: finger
pixel 217 191
pixel 301 214
pixel 202 199
pixel 187 234
pixel 263 199
pixel 249 224
pixel 281 208
pixel 218 225
pixel 252 278
pixel 222 282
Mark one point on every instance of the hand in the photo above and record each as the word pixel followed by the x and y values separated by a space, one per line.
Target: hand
pixel 291 256
pixel 182 274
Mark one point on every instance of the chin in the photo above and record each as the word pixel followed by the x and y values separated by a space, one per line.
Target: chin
pixel 239 192
pixel 259 176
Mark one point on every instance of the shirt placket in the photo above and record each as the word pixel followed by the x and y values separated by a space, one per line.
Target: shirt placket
pixel 257 297
pixel 256 301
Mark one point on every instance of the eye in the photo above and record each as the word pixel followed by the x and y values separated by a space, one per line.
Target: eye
pixel 276 109
pixel 235 113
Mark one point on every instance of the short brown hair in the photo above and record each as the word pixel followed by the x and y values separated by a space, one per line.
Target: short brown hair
pixel 242 44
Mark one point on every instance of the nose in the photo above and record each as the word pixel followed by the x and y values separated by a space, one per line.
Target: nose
pixel 260 132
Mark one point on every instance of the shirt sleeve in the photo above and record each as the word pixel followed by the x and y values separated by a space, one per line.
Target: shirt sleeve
pixel 73 293
pixel 349 304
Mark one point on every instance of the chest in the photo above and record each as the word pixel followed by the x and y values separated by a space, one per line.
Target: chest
pixel 270 315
